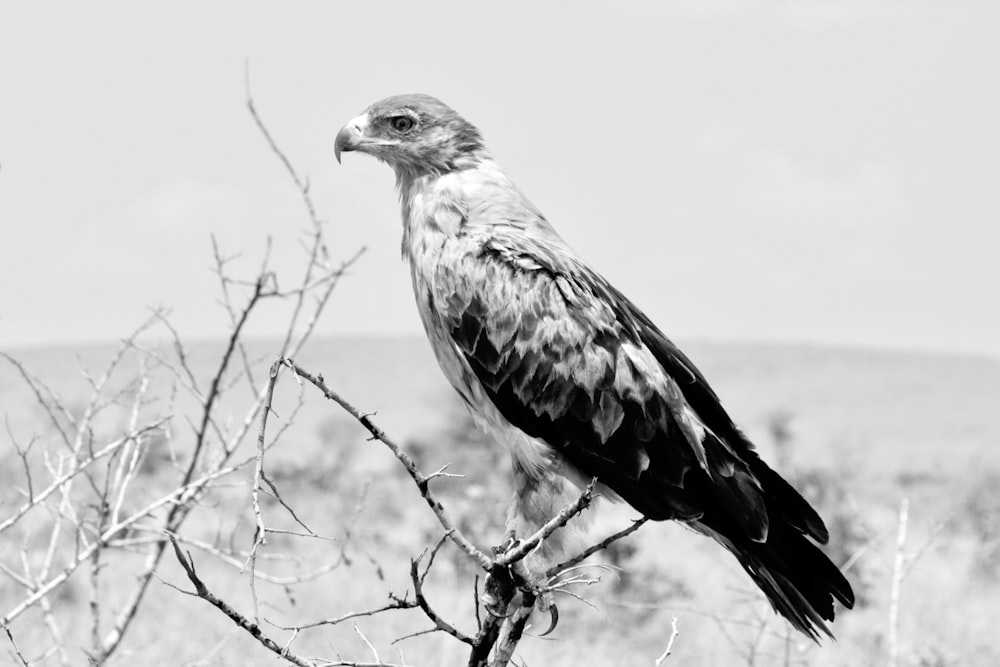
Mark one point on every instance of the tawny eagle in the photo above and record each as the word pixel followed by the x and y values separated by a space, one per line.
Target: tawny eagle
pixel 560 366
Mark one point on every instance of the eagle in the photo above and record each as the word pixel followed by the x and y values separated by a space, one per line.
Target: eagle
pixel 557 364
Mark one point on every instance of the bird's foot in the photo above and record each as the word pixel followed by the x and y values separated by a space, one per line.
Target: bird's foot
pixel 508 588
pixel 499 589
pixel 536 592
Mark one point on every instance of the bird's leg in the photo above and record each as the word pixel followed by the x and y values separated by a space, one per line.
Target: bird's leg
pixel 537 499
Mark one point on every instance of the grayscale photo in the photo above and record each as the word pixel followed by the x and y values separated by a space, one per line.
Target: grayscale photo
pixel 418 334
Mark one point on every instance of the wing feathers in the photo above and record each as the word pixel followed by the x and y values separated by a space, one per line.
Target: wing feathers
pixel 608 417
pixel 567 359
pixel 562 358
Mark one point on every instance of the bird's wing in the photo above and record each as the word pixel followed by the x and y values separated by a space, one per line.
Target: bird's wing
pixel 568 359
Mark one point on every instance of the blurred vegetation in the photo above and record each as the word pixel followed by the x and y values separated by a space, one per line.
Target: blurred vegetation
pixel 344 486
pixel 981 515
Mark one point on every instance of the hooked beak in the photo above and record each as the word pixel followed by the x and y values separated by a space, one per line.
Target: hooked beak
pixel 351 136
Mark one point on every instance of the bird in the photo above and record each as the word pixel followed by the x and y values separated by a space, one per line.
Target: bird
pixel 561 367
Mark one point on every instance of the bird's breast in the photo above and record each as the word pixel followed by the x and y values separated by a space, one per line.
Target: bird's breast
pixel 439 264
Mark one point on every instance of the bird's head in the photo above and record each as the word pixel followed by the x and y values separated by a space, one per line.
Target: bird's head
pixel 414 134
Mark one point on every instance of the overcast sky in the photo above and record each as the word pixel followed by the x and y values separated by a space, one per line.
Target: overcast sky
pixel 809 172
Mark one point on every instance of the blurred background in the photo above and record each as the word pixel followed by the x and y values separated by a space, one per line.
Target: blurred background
pixel 801 194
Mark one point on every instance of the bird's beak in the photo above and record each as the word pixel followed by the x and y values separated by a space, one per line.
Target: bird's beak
pixel 351 136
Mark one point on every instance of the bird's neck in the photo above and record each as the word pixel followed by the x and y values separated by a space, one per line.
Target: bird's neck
pixel 411 176
pixel 479 198
pixel 436 205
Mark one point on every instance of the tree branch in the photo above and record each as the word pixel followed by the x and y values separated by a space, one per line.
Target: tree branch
pixel 419 479
pixel 202 591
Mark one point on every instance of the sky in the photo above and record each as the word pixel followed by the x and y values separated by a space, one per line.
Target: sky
pixel 808 172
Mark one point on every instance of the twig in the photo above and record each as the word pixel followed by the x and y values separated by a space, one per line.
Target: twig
pixel 22 453
pixel 589 551
pixel 260 533
pixel 439 623
pixel 302 186
pixel 370 646
pixel 898 567
pixel 288 508
pixel 239 565
pixel 394 604
pixel 13 643
pixel 670 642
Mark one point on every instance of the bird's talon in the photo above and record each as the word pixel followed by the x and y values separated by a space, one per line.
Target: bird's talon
pixel 553 620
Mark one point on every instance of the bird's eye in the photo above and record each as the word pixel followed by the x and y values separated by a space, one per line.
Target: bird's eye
pixel 401 123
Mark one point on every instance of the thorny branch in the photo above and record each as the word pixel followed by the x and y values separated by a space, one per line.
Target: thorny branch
pixel 202 591
pixel 439 623
pixel 419 478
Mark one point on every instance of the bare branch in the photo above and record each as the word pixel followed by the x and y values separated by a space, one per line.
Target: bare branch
pixel 421 481
pixel 899 565
pixel 239 564
pixel 252 628
pixel 277 496
pixel 180 496
pixel 670 642
pixel 13 643
pixel 79 467
pixel 589 551
pixel 370 647
pixel 22 453
pixel 418 592
pixel 260 533
pixel 395 604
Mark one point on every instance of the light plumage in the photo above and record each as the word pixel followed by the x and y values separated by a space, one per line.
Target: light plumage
pixel 571 376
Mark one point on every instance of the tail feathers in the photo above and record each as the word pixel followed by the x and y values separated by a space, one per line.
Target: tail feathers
pixel 789 503
pixel 797 578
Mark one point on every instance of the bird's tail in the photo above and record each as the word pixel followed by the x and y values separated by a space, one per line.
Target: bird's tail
pixel 798 579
